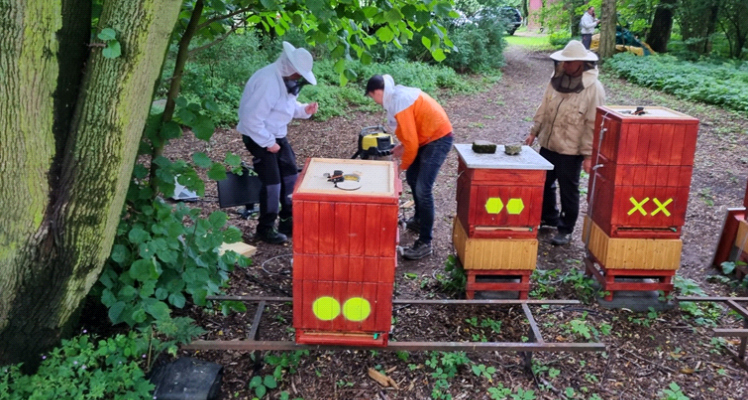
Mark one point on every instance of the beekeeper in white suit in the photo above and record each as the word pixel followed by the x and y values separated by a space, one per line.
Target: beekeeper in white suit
pixel 268 105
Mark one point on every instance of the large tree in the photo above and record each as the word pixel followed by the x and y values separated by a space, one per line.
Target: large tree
pixel 662 26
pixel 607 29
pixel 70 123
pixel 72 110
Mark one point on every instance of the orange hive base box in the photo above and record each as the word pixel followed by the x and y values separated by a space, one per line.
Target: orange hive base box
pixel 344 250
pixel 500 195
pixel 641 187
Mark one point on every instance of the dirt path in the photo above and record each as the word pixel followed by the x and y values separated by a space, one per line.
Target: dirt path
pixel 645 353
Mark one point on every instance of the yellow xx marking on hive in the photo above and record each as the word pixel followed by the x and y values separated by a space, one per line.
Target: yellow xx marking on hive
pixel 638 206
pixel 661 207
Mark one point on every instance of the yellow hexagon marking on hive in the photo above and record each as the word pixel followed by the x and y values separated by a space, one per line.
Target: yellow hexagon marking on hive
pixel 494 205
pixel 326 308
pixel 356 309
pixel 515 206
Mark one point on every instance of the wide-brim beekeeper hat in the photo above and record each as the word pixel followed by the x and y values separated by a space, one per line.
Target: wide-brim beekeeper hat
pixel 574 51
pixel 301 60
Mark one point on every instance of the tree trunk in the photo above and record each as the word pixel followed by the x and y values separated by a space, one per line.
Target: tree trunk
pixel 55 240
pixel 662 26
pixel 607 29
pixel 574 18
pixel 698 21
pixel 183 53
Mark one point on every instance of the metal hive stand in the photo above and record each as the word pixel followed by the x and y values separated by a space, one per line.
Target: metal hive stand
pixel 732 302
pixel 536 343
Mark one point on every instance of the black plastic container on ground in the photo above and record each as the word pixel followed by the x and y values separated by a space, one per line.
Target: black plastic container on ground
pixel 187 379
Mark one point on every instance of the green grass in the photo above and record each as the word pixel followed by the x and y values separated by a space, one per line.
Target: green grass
pixel 537 43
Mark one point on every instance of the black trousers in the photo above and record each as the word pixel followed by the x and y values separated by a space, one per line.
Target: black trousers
pixel 278 173
pixel 587 40
pixel 566 170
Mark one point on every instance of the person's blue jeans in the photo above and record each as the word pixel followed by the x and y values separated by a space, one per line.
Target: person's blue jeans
pixel 421 176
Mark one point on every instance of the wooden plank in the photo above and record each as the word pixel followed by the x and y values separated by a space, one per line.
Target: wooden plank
pixel 741 239
pixel 500 254
pixel 239 248
pixel 326 228
pixel 635 253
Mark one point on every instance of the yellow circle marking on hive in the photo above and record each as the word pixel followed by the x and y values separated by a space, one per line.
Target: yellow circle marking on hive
pixel 326 308
pixel 356 309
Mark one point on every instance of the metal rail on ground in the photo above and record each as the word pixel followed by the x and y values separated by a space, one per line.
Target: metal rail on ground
pixel 535 342
pixel 732 302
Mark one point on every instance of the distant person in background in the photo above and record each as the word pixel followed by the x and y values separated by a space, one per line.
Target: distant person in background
pixel 267 106
pixel 587 26
pixel 425 135
pixel 564 126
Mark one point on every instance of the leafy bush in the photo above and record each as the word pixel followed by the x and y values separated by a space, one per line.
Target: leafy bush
pixel 723 84
pixel 162 254
pixel 83 368
pixel 479 46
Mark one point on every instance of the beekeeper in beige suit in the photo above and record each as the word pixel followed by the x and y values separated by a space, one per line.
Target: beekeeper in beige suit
pixel 564 126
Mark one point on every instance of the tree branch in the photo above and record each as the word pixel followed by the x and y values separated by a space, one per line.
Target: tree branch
pixel 222 17
pixel 219 40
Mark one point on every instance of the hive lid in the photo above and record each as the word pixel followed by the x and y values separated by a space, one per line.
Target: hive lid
pixel 650 112
pixel 526 159
pixel 376 177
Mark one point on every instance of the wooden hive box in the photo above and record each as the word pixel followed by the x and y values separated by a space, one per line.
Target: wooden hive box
pixel 641 189
pixel 498 195
pixel 631 253
pixel 493 253
pixel 344 250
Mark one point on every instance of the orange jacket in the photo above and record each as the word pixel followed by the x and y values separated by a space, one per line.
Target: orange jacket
pixel 422 122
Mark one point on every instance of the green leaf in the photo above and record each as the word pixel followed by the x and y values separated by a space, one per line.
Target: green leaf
pixel 385 34
pixel 141 270
pixel 211 106
pixel 158 310
pixel 137 235
pixel 728 267
pixel 233 160
pixel 438 55
pixel 232 234
pixel 218 219
pixel 366 58
pixel 115 312
pixel 393 16
pixel 426 42
pixel 260 391
pixel 270 4
pixel 127 293
pixel 120 254
pixel 203 128
pixel 108 298
pixel 181 102
pixel 217 172
pixel 112 49
pixel 177 300
pixel 162 293
pixel 202 160
pixel 170 130
pixel 107 34
pixel 140 171
pixel 255 382
pixel 270 382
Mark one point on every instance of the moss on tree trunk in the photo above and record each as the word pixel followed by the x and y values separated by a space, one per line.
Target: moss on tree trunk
pixel 61 216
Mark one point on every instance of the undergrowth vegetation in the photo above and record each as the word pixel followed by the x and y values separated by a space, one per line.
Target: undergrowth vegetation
pixel 722 83
pixel 218 74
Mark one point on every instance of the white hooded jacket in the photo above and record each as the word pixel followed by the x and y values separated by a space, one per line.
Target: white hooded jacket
pixel 266 107
pixel 587 24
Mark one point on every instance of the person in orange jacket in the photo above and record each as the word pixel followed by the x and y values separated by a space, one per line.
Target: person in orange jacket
pixel 425 135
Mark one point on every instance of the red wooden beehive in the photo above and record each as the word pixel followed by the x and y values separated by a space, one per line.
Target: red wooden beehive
pixel 500 196
pixel 344 251
pixel 641 189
